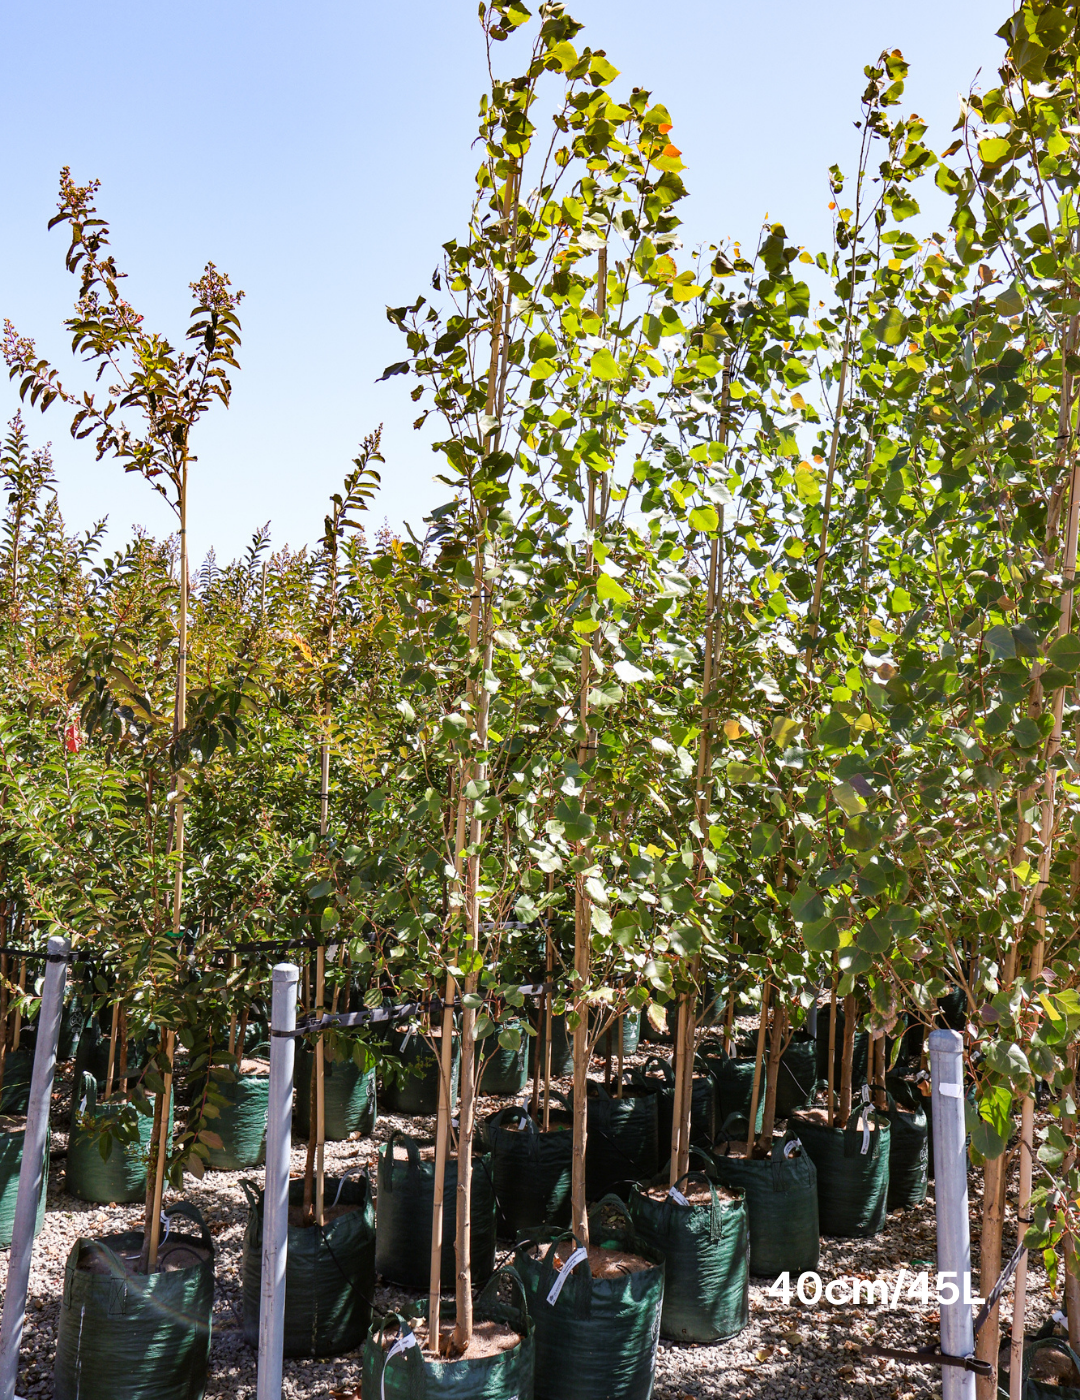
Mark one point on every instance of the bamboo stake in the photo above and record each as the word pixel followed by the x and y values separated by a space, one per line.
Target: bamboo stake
pixel 112 1049
pixel 319 1125
pixel 124 1049
pixel 679 1056
pixel 549 1022
pixel 1016 1346
pixel 3 1015
pixel 619 1061
pixel 162 1154
pixel 756 1090
pixel 242 1036
pixel 16 1037
pixel 1072 1243
pixel 442 1141
pixel 232 1017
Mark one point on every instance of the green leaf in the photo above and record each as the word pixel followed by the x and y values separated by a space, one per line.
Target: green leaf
pixel 833 734
pixel 822 936
pixel 807 906
pixel 1065 652
pixel 611 591
pixel 890 328
pixel 704 518
pixel 993 149
pixel 604 366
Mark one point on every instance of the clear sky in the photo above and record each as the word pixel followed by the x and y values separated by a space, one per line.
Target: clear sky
pixel 320 154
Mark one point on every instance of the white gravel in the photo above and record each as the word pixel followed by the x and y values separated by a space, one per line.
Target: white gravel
pixel 791 1350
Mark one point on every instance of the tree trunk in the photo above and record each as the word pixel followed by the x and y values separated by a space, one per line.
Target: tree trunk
pixel 759 1054
pixel 772 1075
pixel 1023 1199
pixel 847 1059
pixel 987 1343
pixel 831 1073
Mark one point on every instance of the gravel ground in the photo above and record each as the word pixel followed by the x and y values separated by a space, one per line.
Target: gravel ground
pixel 788 1349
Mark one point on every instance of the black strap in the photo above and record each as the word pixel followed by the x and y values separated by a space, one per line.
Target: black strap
pixel 930 1356
pixel 999 1287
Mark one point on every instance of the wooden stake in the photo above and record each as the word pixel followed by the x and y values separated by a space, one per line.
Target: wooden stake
pixel 16 1036
pixel 442 1145
pixel 619 1077
pixel 679 1056
pixel 3 1014
pixel 548 1024
pixel 319 1125
pixel 751 1135
pixel 772 1076
pixel 162 1157
pixel 993 1218
pixel 123 1050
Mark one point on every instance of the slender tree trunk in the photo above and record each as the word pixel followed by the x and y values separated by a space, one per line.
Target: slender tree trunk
pixel 1023 1205
pixel 442 1145
pixel 772 1078
pixel 3 1012
pixel 759 1054
pixel 124 1050
pixel 113 1035
pixel 832 1050
pixel 987 1343
pixel 847 1059
pixel 16 1036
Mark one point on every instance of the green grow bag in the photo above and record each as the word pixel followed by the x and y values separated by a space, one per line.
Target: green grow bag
pixel 781 1204
pixel 504 1071
pixel 861 1053
pixel 664 1037
pixel 609 1040
pixel 1033 1387
pixel 622 1144
pixel 706 1261
pixel 402 1372
pixel 18 1069
pixel 734 1079
pixel 657 1076
pixel 349 1097
pixel 908 1155
pixel 596 1338
pixel 329 1273
pixel 403 1224
pixel 134 1336
pixel 418 1093
pixel 12 1136
pixel 241 1123
pixel 121 1176
pixel 530 1170
pixel 852 1171
pixel 562 1048
pixel 797 1080
pixel 92 1056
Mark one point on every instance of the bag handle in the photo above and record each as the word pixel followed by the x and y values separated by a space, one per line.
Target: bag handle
pixel 864 1113
pixel 517 1111
pixel 617 1204
pixel 411 1148
pixel 1047 1344
pixel 251 1193
pixel 581 1283
pixel 88 1103
pixel 191 1212
pixel 512 1277
pixel 406 1343
pixel 716 1211
pixel 665 1069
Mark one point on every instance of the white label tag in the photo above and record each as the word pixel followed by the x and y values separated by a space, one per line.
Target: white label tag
pixel 678 1197
pixel 564 1273
pixel 865 1133
pixel 951 1091
pixel 789 1147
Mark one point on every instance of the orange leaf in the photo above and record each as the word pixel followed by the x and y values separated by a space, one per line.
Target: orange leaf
pixel 663 130
pixel 672 151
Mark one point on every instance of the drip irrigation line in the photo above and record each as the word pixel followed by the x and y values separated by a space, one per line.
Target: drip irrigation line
pixel 351 1020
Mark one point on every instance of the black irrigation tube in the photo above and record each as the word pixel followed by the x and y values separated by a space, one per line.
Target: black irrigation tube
pixel 351 1020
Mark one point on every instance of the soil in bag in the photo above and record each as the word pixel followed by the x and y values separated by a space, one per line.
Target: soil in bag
pixel 329 1272
pixel 498 1364
pixel 403 1227
pixel 701 1231
pixel 596 1311
pixel 131 1336
pixel 852 1169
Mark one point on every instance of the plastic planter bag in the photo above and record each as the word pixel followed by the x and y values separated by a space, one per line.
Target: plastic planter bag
pixel 797 1079
pixel 734 1079
pixel 92 1056
pixel 349 1104
pixel 908 1155
pixel 130 1336
pixel 121 1175
pixel 329 1273
pixel 861 1051
pixel 504 1071
pixel 657 1076
pixel 530 1170
pixel 781 1204
pixel 12 1136
pixel 18 1068
pixel 631 1024
pixel 403 1228
pixel 241 1123
pixel 595 1337
pixel 706 1260
pixel 622 1140
pixel 562 1048
pixel 1037 1389
pixel 403 1372
pixel 72 1019
pixel 418 1093
pixel 852 1171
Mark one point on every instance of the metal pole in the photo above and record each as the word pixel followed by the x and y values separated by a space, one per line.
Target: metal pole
pixel 276 1183
pixel 951 1195
pixel 33 1165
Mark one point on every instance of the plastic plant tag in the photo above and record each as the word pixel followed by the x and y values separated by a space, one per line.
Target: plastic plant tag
pixel 579 1254
pixel 403 1343
pixel 677 1196
pixel 789 1147
pixel 951 1091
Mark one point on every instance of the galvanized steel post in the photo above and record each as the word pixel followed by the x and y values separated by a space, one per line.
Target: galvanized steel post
pixel 951 1196
pixel 276 1184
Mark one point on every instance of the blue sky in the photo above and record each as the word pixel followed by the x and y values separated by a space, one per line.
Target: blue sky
pixel 320 154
